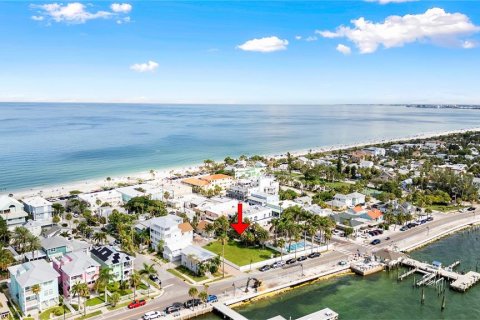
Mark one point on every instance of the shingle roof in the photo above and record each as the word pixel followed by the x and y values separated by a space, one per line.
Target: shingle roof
pixel 185 227
pixel 33 272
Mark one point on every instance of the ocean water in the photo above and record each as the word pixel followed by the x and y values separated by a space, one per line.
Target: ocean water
pixel 380 296
pixel 44 144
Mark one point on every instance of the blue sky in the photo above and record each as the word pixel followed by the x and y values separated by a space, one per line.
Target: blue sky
pixel 241 52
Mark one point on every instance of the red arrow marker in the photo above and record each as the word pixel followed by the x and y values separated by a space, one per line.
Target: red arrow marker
pixel 240 226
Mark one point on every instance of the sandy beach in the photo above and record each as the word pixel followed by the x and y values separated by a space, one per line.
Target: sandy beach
pixel 159 177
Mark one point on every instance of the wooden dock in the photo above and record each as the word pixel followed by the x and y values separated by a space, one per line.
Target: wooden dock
pixel 459 282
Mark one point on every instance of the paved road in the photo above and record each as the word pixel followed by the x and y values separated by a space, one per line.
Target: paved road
pixel 176 291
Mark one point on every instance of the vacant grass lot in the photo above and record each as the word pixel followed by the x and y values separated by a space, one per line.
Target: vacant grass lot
pixel 240 255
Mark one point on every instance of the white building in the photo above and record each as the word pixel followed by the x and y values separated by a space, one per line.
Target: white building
pixel 350 200
pixel 39 208
pixel 258 214
pixel 175 235
pixel 375 152
pixel 96 199
pixel 366 164
pixel 193 256
pixel 11 210
pixel 216 207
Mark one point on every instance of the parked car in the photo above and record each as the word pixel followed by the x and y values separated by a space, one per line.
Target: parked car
pixel 152 315
pixel 430 219
pixel 175 307
pixel 342 263
pixel 291 261
pixel 302 258
pixel 314 255
pixel 471 209
pixel 380 231
pixel 375 242
pixel 192 303
pixel 265 268
pixel 278 264
pixel 212 298
pixel 136 303
pixel 154 278
pixel 404 228
pixel 387 238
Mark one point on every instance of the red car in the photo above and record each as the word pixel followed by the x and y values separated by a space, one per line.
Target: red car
pixel 136 303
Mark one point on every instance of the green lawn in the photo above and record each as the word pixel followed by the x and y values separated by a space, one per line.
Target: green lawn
pixel 444 208
pixel 240 255
pixel 94 301
pixel 125 292
pixel 181 272
pixel 119 305
pixel 45 315
pixel 89 315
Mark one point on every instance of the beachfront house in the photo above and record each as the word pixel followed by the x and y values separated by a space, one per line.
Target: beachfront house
pixel 11 210
pixel 375 151
pixel 209 182
pixel 26 278
pixel 192 257
pixel 39 208
pixel 76 267
pixel 119 262
pixel 173 233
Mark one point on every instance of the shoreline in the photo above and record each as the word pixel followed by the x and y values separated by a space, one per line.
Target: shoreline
pixel 345 271
pixel 95 184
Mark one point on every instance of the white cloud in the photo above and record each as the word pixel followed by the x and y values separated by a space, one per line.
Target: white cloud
pixel 121 7
pixel 76 12
pixel 267 44
pixel 467 44
pixel 37 18
pixel 344 49
pixel 435 25
pixel 390 1
pixel 311 38
pixel 149 66
pixel 298 37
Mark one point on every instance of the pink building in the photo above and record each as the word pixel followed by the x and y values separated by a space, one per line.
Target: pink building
pixel 76 267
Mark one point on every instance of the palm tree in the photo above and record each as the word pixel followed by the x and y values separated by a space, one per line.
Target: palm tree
pixel 69 217
pixel 104 278
pixel 223 239
pixel 100 237
pixel 193 292
pixel 135 279
pixel 75 290
pixel 20 238
pixel 84 292
pixel 114 298
pixel 6 259
pixel 203 295
pixel 36 290
pixel 33 244
pixel 148 270
pixel 281 245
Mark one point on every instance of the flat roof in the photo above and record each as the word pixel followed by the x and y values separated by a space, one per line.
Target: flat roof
pixel 36 201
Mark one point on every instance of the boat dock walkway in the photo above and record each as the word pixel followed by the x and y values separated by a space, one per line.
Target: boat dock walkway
pixel 459 282
pixel 227 312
